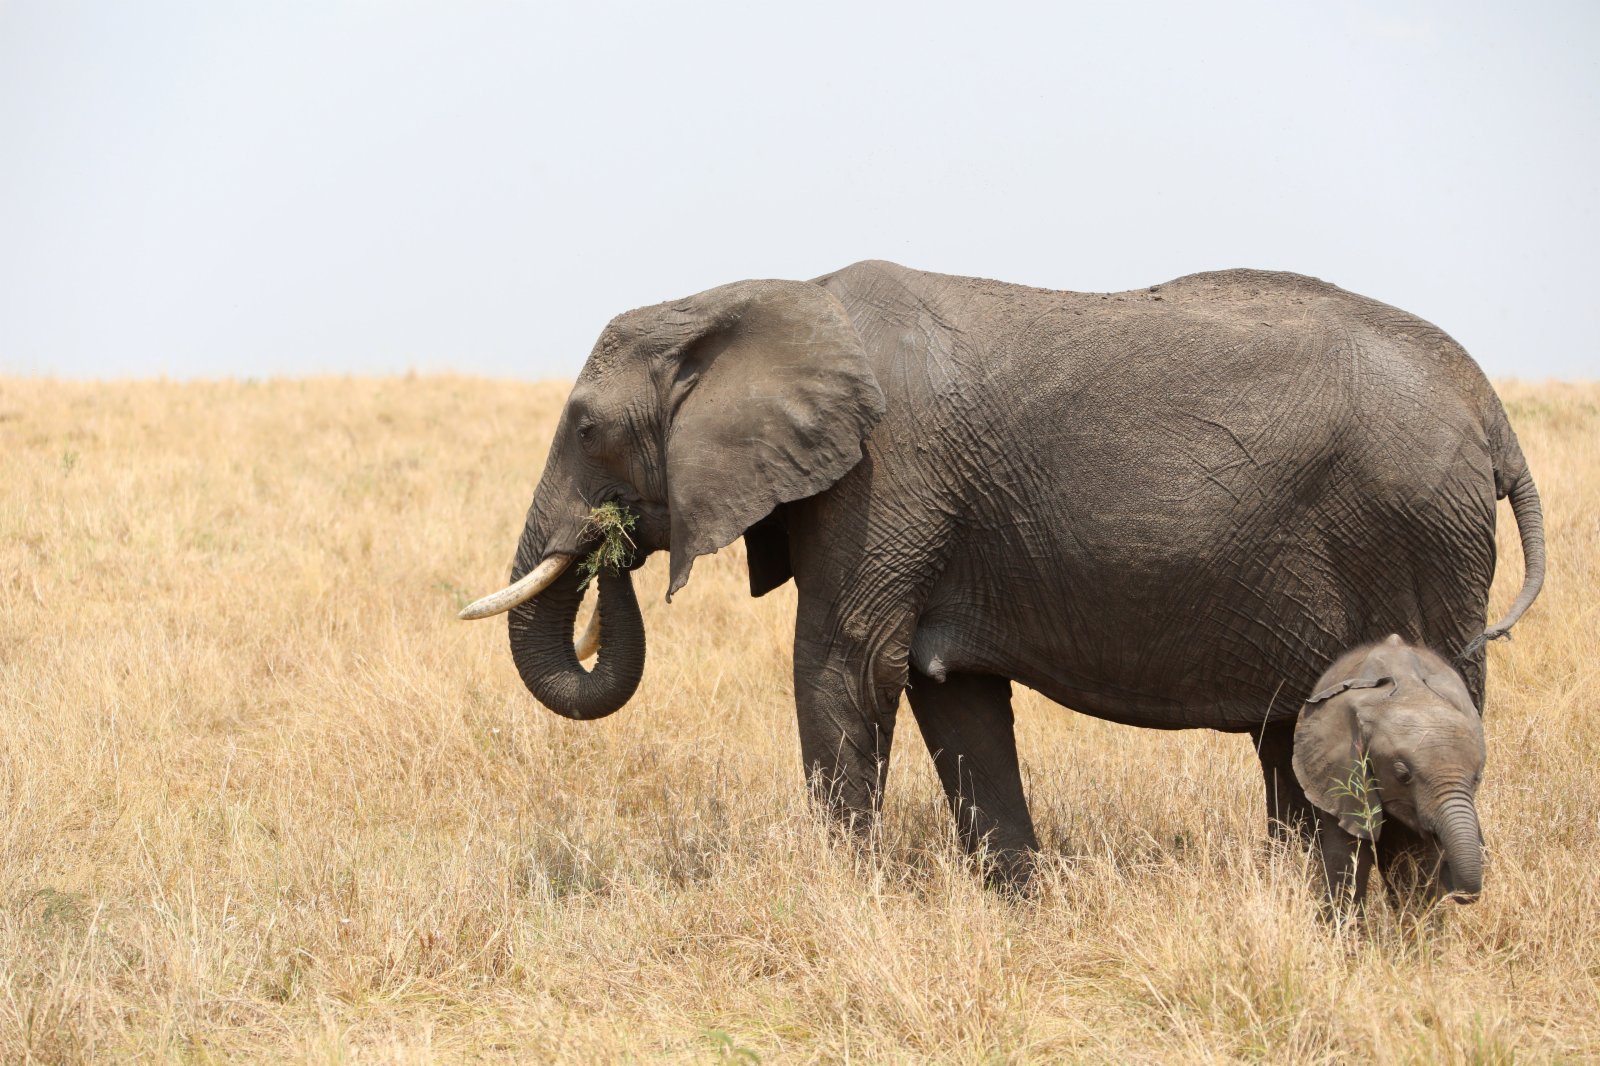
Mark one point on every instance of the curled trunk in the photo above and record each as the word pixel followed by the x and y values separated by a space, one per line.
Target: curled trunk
pixel 541 644
pixel 1462 843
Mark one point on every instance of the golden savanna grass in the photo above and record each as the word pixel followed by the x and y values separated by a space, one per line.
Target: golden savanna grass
pixel 263 797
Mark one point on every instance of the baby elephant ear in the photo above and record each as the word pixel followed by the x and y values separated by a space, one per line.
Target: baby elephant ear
pixel 1330 757
pixel 771 399
pixel 1448 685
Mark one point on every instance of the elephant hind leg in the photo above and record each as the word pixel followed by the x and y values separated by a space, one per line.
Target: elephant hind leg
pixel 1289 814
pixel 968 726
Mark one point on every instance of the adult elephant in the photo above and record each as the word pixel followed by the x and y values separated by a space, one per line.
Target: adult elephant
pixel 1171 507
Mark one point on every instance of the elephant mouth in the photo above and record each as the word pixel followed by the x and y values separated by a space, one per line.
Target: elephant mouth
pixel 1452 887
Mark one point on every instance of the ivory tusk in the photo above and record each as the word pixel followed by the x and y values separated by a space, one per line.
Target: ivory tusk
pixel 534 582
pixel 589 642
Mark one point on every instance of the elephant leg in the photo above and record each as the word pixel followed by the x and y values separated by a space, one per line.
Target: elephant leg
pixel 968 726
pixel 846 731
pixel 1346 864
pixel 1409 864
pixel 1289 814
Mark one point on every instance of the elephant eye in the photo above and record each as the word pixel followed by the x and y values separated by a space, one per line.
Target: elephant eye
pixel 1402 772
pixel 586 431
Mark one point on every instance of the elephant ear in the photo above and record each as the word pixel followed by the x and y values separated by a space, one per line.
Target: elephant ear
pixel 1330 753
pixel 770 401
pixel 1447 684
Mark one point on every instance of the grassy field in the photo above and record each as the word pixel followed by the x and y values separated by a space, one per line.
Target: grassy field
pixel 261 796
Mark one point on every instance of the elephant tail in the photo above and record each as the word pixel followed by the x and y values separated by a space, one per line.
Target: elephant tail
pixel 1513 479
pixel 1530 527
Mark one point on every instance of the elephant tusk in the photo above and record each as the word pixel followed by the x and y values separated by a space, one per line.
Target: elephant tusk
pixel 532 583
pixel 589 642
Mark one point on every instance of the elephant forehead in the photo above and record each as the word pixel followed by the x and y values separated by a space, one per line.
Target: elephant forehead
pixel 1421 721
pixel 619 367
pixel 620 337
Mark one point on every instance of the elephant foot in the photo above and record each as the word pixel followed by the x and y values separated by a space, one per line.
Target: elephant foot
pixel 1010 872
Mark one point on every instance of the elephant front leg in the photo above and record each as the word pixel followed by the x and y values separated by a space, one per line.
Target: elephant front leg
pixel 846 730
pixel 1346 862
pixel 968 725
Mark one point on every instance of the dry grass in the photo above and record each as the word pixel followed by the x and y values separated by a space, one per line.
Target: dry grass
pixel 261 796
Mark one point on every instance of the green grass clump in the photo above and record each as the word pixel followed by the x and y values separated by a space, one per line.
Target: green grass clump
pixel 1360 787
pixel 613 524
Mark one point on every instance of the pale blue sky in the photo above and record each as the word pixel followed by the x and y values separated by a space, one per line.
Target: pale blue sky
pixel 218 188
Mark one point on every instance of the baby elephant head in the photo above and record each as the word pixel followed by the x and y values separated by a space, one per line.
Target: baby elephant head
pixel 1391 736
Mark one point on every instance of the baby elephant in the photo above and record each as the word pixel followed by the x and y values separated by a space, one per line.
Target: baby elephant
pixel 1390 753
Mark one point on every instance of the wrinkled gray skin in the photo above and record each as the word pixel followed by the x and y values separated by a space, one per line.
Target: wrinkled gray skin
pixel 1389 749
pixel 1169 507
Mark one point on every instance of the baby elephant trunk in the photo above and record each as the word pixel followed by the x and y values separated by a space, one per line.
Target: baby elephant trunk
pixel 1462 842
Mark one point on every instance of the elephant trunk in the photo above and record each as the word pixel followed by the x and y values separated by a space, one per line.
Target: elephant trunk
pixel 541 644
pixel 1462 842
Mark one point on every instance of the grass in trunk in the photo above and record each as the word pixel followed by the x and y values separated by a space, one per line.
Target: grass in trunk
pixel 613 524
